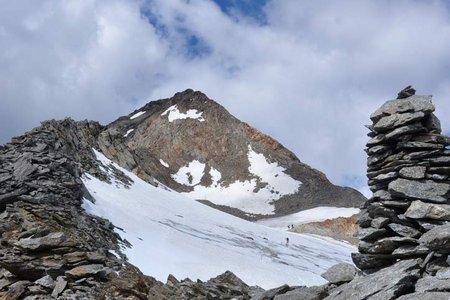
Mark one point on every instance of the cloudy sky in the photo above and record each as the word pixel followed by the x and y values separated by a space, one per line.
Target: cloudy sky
pixel 308 73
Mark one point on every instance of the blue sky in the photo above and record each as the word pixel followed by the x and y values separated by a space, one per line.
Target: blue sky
pixel 308 73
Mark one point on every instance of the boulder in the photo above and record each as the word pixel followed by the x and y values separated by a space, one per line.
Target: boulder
pixel 342 272
pixel 437 239
pixel 423 210
pixel 370 261
pixel 426 190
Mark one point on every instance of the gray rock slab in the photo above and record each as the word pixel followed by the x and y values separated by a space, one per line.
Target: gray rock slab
pixel 23 168
pixel 369 234
pixel 384 284
pixel 46 281
pixel 60 285
pixel 270 294
pixel 305 293
pixel 342 272
pixel 411 104
pixel 51 240
pixel 426 296
pixel 443 273
pixel 432 284
pixel 427 190
pixel 404 130
pixel 413 172
pixel 437 239
pixel 370 261
pixel 392 121
pixel 423 210
pixel 404 230
pixel 379 222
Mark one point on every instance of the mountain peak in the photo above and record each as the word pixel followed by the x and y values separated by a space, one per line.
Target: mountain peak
pixel 193 145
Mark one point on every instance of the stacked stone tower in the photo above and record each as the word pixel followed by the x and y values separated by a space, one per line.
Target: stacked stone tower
pixel 408 170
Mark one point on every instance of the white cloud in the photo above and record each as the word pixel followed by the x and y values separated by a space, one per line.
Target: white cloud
pixel 310 77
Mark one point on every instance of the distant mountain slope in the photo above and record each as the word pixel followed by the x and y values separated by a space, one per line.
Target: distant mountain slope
pixel 193 145
pixel 170 234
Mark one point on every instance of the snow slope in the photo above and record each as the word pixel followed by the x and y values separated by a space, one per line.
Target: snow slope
pixel 172 234
pixel 310 215
pixel 243 195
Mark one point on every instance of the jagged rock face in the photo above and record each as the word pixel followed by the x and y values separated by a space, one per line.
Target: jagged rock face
pixel 193 145
pixel 45 235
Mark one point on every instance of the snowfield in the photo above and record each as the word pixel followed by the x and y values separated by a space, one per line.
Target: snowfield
pixel 172 234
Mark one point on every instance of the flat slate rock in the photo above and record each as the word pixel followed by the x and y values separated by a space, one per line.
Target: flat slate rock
pixel 423 210
pixel 342 272
pixel 417 172
pixel 427 190
pixel 396 120
pixel 437 239
pixel 384 284
pixel 426 296
pixel 432 284
pixel 410 104
pixel 370 261
pixel 51 240
pixel 404 130
pixel 305 293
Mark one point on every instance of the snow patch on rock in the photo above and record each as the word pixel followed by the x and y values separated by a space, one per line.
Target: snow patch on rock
pixel 138 114
pixel 164 163
pixel 175 114
pixel 190 174
pixel 128 132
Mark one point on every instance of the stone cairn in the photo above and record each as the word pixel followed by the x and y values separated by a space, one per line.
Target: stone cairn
pixel 408 171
